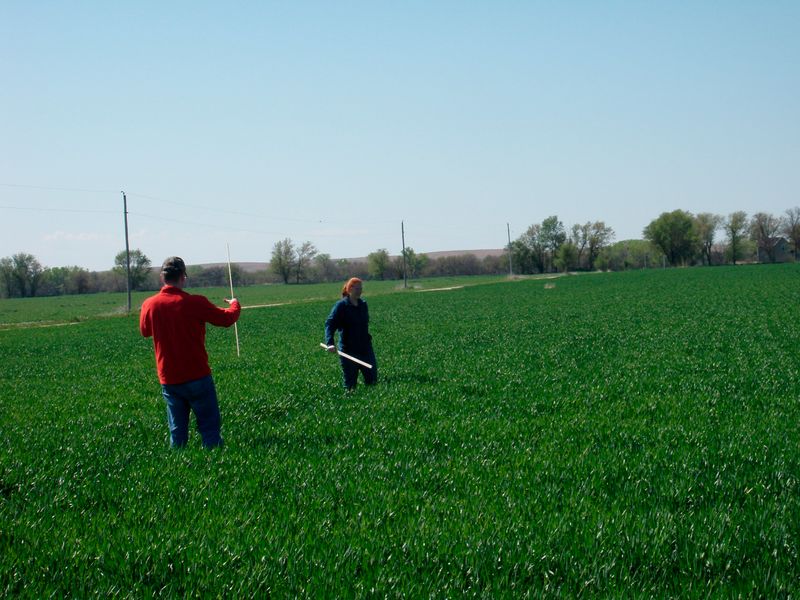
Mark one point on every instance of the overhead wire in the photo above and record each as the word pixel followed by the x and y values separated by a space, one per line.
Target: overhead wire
pixel 58 189
pixel 217 226
pixel 73 210
pixel 258 215
pixel 215 209
pixel 175 202
pixel 207 225
pixel 350 222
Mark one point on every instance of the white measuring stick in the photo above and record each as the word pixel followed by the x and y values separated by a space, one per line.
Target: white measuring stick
pixel 347 356
pixel 230 278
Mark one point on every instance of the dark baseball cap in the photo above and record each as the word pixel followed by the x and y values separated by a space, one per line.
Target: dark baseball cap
pixel 173 267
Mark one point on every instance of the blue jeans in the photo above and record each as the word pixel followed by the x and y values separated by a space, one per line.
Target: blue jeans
pixel 350 369
pixel 200 397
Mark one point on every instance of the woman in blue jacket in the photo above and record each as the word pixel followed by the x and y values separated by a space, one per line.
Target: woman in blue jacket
pixel 350 317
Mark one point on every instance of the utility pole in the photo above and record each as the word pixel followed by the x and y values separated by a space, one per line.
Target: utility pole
pixel 127 251
pixel 403 236
pixel 510 269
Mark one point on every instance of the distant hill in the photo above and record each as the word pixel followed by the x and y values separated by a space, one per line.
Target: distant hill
pixel 252 267
pixel 481 254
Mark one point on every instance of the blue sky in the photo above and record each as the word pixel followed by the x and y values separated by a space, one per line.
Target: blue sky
pixel 246 123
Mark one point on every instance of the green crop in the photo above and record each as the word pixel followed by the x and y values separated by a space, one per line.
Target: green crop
pixel 64 310
pixel 630 434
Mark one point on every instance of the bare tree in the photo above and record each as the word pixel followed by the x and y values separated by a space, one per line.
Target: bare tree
pixel 764 228
pixel 792 228
pixel 579 238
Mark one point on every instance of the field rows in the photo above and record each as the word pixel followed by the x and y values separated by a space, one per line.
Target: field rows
pixel 624 434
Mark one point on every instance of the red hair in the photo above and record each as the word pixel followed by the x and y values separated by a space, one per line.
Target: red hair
pixel 348 286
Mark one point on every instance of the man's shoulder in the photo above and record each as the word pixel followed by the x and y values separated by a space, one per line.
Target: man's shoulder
pixel 151 299
pixel 169 294
pixel 196 298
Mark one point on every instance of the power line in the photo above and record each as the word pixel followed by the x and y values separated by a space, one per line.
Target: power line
pixel 261 216
pixel 72 210
pixel 222 210
pixel 57 189
pixel 177 203
pixel 219 227
pixel 216 226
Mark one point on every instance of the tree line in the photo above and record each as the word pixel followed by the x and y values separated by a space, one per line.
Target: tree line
pixel 677 238
pixel 299 263
pixel 687 239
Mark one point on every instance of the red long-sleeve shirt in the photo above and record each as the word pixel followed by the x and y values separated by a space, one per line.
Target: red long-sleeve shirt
pixel 177 322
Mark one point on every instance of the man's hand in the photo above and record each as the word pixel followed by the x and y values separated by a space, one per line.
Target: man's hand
pixel 231 301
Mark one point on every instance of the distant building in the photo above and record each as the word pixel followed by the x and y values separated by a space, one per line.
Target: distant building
pixel 781 249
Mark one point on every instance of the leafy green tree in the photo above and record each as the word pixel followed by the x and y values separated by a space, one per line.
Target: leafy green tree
pixel 599 236
pixel 457 264
pixel 735 226
pixel 529 250
pixel 237 274
pixel 326 268
pixel 79 281
pixel 215 275
pixel 6 277
pixel 207 276
pixel 66 280
pixel 140 267
pixel 494 265
pixel 282 259
pixel 415 263
pixel 26 275
pixel 378 263
pixel 522 257
pixel 551 236
pixel 674 234
pixel 630 254
pixel 566 257
pixel 706 226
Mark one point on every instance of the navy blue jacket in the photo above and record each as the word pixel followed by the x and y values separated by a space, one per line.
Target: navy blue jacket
pixel 353 322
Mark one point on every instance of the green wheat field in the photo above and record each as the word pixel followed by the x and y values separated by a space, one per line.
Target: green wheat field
pixel 619 435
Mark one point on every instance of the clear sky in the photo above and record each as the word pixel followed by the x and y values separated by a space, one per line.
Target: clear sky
pixel 246 123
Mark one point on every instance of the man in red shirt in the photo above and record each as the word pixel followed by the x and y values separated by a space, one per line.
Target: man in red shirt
pixel 176 320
